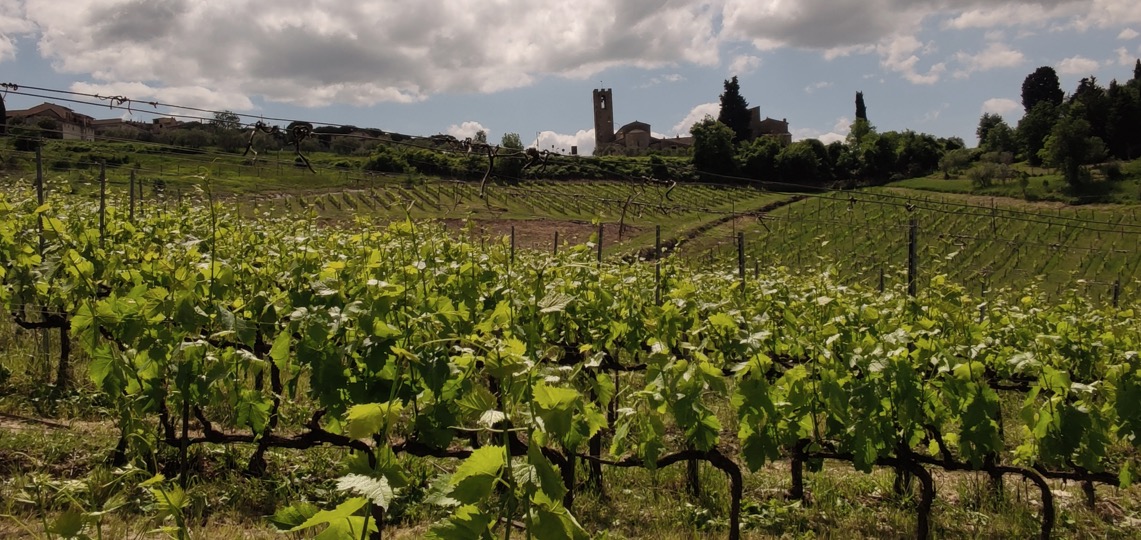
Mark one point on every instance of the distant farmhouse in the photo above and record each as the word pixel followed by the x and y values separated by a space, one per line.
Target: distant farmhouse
pixel 636 138
pixel 80 127
pixel 71 125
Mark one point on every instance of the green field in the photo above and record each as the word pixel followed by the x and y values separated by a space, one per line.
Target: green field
pixel 981 242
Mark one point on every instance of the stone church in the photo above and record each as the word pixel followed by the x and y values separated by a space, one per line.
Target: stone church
pixel 636 138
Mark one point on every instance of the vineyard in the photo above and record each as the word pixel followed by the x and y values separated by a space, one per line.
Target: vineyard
pixel 497 388
pixel 981 243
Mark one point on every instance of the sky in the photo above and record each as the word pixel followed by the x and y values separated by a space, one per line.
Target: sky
pixel 458 66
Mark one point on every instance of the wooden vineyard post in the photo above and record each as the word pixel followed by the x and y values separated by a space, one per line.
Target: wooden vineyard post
pixel 45 338
pixel 131 206
pixel 102 202
pixel 600 243
pixel 1116 291
pixel 658 265
pixel 912 257
pixel 555 245
pixel 741 259
pixel 40 189
pixel 512 261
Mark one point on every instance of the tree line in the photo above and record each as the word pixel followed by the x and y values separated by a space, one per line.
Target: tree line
pixel 1092 125
pixel 724 148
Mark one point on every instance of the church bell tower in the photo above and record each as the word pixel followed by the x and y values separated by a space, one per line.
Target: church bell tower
pixel 603 117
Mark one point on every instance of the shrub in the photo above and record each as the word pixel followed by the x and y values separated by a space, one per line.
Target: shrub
pixel 1112 171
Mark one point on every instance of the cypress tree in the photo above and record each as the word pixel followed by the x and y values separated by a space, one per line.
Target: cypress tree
pixel 861 109
pixel 735 111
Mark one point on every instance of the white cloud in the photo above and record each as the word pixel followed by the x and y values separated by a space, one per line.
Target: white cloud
pixel 311 53
pixel 696 115
pixel 1126 58
pixel 1128 34
pixel 467 129
pixel 667 78
pixel 13 23
pixel 830 137
pixel 996 55
pixel 934 114
pixel 817 86
pixel 1012 14
pixel 561 143
pixel 1001 106
pixel 839 132
pixel 744 64
pixel 898 54
pixel 1078 65
pixel 192 96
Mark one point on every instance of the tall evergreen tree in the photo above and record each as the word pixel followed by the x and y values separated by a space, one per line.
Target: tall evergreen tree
pixel 1123 139
pixel 735 111
pixel 1090 101
pixel 3 118
pixel 861 109
pixel 1042 85
pixel 1033 129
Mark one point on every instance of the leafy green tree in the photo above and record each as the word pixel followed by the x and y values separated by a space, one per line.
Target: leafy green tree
pixel 951 143
pixel 735 111
pixel 511 140
pixel 986 122
pixel 1033 129
pixel 1091 102
pixel 918 154
pixel 1123 138
pixel 713 147
pixel 955 162
pixel 861 109
pixel 1000 138
pixel 758 158
pixel 510 162
pixel 1070 147
pixel 230 141
pixel 877 158
pixel 1041 86
pixel 859 131
pixel 226 121
pixel 387 159
pixel 798 163
pixel 49 128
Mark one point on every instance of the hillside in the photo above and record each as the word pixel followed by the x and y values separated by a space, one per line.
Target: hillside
pixel 981 242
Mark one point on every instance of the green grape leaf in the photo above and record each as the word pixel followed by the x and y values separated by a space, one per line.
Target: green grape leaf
pixel 293 515
pixel 476 476
pixel 341 512
pixel 376 490
pixel 466 523
pixel 363 421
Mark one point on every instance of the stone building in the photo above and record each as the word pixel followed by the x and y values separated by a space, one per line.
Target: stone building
pixel 637 138
pixel 633 138
pixel 71 125
pixel 768 127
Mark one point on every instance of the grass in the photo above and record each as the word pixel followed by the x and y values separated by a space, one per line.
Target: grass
pixel 1042 184
pixel 58 470
pixel 47 471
